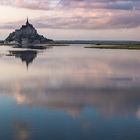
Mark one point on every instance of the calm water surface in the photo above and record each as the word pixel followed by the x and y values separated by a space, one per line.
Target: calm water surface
pixel 69 93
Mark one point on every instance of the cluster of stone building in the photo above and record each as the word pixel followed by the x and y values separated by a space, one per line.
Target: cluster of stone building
pixel 26 35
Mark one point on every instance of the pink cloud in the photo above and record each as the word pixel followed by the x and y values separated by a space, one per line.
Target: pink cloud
pixel 82 14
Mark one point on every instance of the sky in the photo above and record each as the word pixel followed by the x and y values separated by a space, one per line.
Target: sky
pixel 74 19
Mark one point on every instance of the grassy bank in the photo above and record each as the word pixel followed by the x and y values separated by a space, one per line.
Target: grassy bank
pixel 128 47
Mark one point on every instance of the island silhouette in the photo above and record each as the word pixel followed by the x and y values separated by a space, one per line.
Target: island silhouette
pixel 26 36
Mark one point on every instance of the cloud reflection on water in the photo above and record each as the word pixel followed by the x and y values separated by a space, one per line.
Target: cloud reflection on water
pixel 64 79
pixel 22 131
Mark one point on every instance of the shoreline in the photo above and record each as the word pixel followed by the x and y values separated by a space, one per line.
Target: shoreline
pixel 95 45
pixel 125 47
pixel 34 46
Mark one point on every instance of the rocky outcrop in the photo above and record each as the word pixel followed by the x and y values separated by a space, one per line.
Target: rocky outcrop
pixel 26 35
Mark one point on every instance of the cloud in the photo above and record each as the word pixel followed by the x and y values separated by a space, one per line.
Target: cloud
pixel 103 4
pixel 80 14
pixel 99 21
pixel 96 4
pixel 79 20
pixel 31 4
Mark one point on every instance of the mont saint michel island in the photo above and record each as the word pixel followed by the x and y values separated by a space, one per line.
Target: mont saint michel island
pixel 26 36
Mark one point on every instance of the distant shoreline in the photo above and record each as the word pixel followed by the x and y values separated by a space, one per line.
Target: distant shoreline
pixel 123 46
pixel 131 45
pixel 97 42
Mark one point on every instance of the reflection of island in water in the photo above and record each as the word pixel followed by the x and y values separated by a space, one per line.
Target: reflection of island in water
pixel 27 56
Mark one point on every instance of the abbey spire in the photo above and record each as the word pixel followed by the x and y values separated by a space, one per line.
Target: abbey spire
pixel 27 22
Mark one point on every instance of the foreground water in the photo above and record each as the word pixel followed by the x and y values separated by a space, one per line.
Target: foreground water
pixel 69 93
